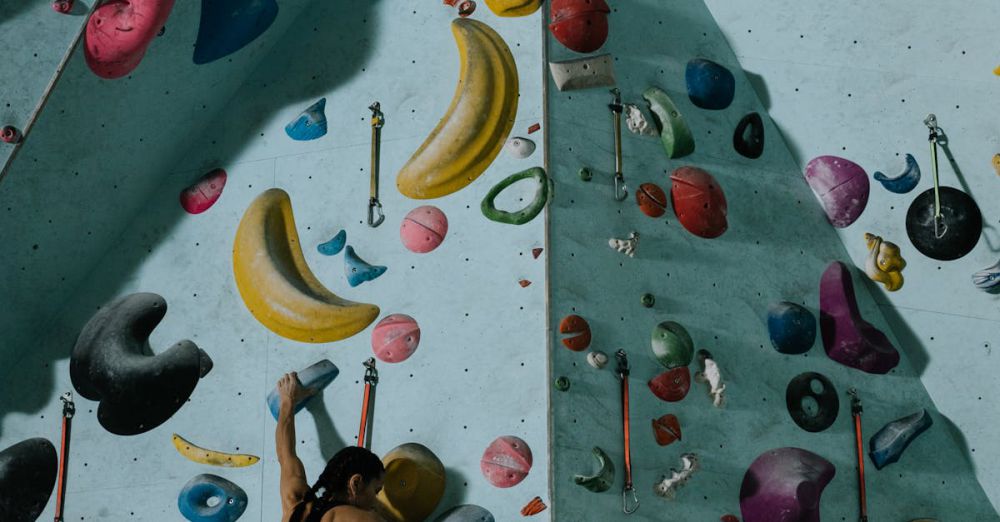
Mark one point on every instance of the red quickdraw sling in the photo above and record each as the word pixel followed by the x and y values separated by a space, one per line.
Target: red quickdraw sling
pixel 623 371
pixel 368 405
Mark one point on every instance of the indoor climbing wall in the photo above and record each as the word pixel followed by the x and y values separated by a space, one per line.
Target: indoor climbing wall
pixel 93 157
pixel 776 247
pixel 879 74
pixel 479 298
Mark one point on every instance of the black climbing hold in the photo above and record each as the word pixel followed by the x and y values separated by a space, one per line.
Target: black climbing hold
pixel 111 363
pixel 748 139
pixel 27 475
pixel 827 402
pixel 959 228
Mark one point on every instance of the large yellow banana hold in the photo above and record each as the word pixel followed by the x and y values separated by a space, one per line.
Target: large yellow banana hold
pixel 212 457
pixel 276 284
pixel 481 115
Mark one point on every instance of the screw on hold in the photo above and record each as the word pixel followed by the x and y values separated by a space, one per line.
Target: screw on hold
pixel 585 174
pixel 648 300
pixel 562 383
pixel 10 134
pixel 466 8
pixel 62 6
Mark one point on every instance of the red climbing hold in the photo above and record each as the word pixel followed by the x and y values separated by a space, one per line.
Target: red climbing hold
pixel 580 25
pixel 62 6
pixel 466 8
pixel 118 34
pixel 534 127
pixel 201 195
pixel 729 518
pixel 671 385
pixel 651 199
pixel 574 324
pixel 698 201
pixel 667 429
pixel 524 283
pixel 535 252
pixel 10 134
pixel 506 461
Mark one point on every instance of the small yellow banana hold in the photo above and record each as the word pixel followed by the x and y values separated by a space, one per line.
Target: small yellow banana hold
pixel 277 285
pixel 212 457
pixel 513 7
pixel 475 127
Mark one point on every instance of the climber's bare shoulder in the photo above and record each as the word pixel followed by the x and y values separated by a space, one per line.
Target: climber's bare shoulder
pixel 351 514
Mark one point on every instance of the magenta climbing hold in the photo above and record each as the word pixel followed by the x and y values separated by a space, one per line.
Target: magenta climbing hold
pixel 395 338
pixel 423 229
pixel 841 186
pixel 784 485
pixel 119 32
pixel 847 338
pixel 506 461
pixel 10 134
pixel 201 195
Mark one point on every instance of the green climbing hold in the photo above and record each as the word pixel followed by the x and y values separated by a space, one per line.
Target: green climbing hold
pixel 562 383
pixel 648 300
pixel 526 214
pixel 675 134
pixel 585 174
pixel 672 345
pixel 605 476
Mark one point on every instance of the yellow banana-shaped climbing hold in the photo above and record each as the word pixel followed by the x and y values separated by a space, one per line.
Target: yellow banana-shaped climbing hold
pixel 481 115
pixel 276 284
pixel 212 457
pixel 884 263
pixel 513 7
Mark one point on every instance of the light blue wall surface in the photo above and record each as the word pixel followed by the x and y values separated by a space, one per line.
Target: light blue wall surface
pixel 480 370
pixel 776 248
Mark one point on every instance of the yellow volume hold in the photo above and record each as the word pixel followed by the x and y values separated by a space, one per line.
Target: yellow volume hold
pixel 277 285
pixel 472 132
pixel 212 457
pixel 513 7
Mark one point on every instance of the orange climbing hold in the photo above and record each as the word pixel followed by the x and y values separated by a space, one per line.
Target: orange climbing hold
pixel 524 283
pixel 535 252
pixel 534 507
pixel 574 324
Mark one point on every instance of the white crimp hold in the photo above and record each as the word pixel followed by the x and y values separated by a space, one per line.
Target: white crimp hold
pixel 597 359
pixel 626 246
pixel 668 487
pixel 520 147
pixel 710 374
pixel 637 122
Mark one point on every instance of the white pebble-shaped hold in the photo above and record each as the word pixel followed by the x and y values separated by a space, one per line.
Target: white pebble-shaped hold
pixel 636 121
pixel 520 147
pixel 597 359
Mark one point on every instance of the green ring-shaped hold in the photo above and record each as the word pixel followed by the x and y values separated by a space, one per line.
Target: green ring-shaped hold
pixel 648 300
pixel 562 383
pixel 605 476
pixel 527 213
pixel 585 174
pixel 672 345
pixel 675 135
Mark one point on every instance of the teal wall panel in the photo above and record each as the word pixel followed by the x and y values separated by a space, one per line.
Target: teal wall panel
pixel 776 248
pixel 480 371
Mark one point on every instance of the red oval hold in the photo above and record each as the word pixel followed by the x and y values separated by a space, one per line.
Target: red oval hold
pixel 574 324
pixel 671 385
pixel 201 195
pixel 119 32
pixel 506 461
pixel 651 199
pixel 580 25
pixel 667 429
pixel 699 203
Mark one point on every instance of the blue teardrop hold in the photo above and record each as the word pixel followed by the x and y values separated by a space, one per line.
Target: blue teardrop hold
pixel 335 245
pixel 358 270
pixel 311 124
pixel 709 85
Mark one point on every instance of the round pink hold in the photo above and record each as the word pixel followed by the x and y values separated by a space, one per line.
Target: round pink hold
pixel 395 338
pixel 118 33
pixel 841 186
pixel 423 229
pixel 200 196
pixel 506 462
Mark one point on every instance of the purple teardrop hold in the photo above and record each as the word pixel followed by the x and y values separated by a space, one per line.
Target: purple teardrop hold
pixel 847 338
pixel 784 485
pixel 841 186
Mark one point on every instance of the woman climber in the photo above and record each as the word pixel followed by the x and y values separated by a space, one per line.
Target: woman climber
pixel 349 484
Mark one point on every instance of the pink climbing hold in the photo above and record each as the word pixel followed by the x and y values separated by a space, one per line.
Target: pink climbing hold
pixel 847 338
pixel 841 186
pixel 423 229
pixel 201 195
pixel 120 31
pixel 506 461
pixel 395 338
pixel 62 6
pixel 10 134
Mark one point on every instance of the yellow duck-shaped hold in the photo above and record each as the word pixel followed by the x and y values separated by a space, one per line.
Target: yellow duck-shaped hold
pixel 884 263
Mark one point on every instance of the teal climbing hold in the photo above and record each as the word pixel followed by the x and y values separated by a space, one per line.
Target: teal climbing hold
pixel 335 245
pixel 309 125
pixel 358 270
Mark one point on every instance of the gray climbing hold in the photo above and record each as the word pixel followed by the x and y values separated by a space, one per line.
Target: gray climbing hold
pixel 466 513
pixel 112 363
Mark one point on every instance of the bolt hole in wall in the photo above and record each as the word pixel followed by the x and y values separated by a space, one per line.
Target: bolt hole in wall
pixel 720 291
pixel 479 372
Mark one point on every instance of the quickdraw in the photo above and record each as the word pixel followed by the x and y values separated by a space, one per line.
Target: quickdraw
pixel 856 410
pixel 621 190
pixel 623 371
pixel 939 226
pixel 368 405
pixel 374 205
pixel 69 409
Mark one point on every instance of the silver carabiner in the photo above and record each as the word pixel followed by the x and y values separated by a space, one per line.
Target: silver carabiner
pixel 375 207
pixel 625 503
pixel 621 189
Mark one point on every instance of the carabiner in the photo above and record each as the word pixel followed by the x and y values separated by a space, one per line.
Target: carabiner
pixel 377 121
pixel 621 190
pixel 374 206
pixel 635 500
pixel 940 227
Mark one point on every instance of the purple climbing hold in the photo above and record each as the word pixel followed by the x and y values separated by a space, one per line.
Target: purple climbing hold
pixel 847 338
pixel 784 485
pixel 841 186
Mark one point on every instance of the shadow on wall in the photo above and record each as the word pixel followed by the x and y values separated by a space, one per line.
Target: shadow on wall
pixel 340 37
pixel 11 9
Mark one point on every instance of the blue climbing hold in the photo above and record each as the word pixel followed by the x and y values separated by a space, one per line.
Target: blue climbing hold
pixel 313 379
pixel 905 181
pixel 211 498
pixel 335 245
pixel 710 85
pixel 466 513
pixel 888 444
pixel 229 25
pixel 358 270
pixel 311 124
pixel 792 327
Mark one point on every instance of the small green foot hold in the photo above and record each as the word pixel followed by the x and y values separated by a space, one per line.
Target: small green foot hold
pixel 585 174
pixel 648 300
pixel 605 476
pixel 562 383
